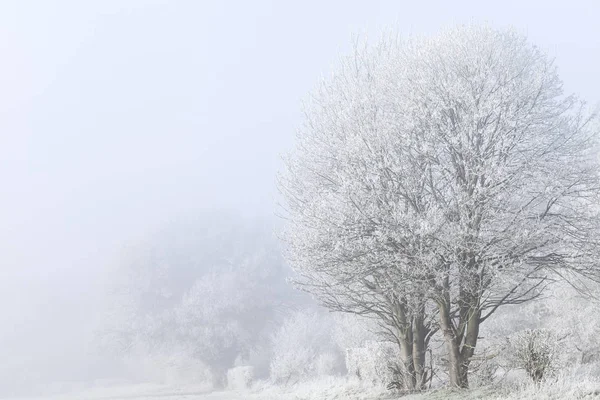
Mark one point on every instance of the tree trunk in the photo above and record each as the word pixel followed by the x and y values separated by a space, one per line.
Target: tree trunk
pixel 458 377
pixel 419 332
pixel 460 349
pixel 411 333
pixel 404 336
pixel 470 341
pixel 408 369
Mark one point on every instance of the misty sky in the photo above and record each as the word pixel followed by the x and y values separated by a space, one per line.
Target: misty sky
pixel 119 116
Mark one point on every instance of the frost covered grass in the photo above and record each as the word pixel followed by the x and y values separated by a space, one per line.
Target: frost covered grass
pixel 121 391
pixel 562 388
pixel 565 387
pixel 336 388
pixel 324 388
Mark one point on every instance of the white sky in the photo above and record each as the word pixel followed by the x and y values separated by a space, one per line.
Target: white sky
pixel 117 116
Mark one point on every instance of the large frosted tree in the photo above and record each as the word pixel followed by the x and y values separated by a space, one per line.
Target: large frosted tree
pixel 442 177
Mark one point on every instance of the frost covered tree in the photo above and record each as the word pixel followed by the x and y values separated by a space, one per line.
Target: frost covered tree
pixel 444 176
pixel 209 290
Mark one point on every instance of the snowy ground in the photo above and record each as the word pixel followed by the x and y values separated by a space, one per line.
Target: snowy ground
pixel 322 390
pixel 178 394
pixel 334 390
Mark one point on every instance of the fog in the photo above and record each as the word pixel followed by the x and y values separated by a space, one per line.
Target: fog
pixel 120 119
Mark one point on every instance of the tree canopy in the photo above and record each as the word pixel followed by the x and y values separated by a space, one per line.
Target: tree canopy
pixel 450 172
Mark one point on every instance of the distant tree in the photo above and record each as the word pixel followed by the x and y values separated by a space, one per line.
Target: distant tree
pixel 444 176
pixel 215 286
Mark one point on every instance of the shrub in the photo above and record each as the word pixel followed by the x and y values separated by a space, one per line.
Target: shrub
pixel 240 377
pixel 376 363
pixel 535 351
pixel 303 348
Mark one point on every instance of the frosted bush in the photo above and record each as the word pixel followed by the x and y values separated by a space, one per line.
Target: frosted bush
pixel 292 364
pixel 484 374
pixel 327 364
pixel 535 351
pixel 377 363
pixel 240 377
pixel 167 364
pixel 303 348
pixel 186 370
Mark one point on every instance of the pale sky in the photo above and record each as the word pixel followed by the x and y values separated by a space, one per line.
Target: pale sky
pixel 118 116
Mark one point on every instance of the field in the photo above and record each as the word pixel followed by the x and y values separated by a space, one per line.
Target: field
pixel 334 389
